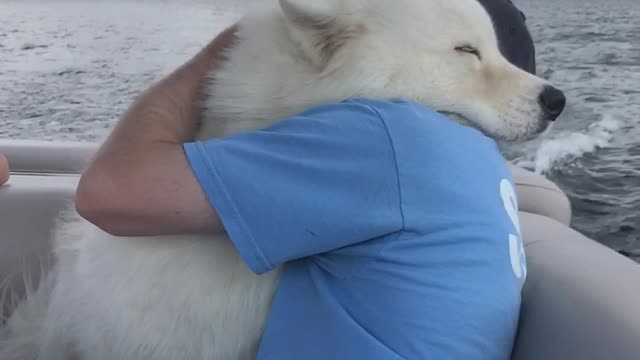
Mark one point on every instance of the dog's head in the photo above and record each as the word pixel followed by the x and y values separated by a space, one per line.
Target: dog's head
pixel 441 53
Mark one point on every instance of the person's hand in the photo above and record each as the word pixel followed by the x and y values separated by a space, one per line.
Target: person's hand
pixel 4 170
pixel 140 182
pixel 213 52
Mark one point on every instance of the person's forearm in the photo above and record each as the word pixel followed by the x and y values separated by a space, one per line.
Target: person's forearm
pixel 133 185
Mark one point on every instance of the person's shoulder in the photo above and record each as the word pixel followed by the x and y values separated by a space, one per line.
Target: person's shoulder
pixel 392 106
pixel 411 124
pixel 351 108
pixel 398 117
pixel 341 117
pixel 370 107
pixel 402 110
pixel 410 118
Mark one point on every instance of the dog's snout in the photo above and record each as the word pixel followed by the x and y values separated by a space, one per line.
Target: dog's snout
pixel 552 101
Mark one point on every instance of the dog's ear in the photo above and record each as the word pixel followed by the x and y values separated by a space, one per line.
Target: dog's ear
pixel 321 27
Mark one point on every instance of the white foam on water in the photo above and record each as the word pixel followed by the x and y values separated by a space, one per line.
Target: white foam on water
pixel 565 146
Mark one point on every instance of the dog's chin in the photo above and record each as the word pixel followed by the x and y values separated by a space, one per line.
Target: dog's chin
pixel 527 135
pixel 532 132
pixel 457 117
pixel 463 120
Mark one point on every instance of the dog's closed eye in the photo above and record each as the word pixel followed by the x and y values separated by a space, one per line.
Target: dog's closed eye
pixel 468 49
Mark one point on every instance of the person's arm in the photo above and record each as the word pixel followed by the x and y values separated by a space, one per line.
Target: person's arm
pixel 314 182
pixel 140 182
pixel 4 170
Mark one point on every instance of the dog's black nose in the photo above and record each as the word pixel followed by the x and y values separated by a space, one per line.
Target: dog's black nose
pixel 553 101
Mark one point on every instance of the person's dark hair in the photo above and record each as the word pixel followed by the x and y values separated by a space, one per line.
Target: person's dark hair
pixel 514 38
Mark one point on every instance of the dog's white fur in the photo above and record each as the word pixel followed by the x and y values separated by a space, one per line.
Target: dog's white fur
pixel 192 297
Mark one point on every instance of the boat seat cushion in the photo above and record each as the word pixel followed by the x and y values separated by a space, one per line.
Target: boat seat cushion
pixel 580 300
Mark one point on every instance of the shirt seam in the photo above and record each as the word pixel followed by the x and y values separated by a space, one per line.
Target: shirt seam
pixel 395 164
pixel 394 234
pixel 232 205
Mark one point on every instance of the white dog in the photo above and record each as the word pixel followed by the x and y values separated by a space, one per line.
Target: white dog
pixel 192 297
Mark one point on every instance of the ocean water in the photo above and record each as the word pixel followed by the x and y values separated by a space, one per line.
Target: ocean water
pixel 591 49
pixel 69 68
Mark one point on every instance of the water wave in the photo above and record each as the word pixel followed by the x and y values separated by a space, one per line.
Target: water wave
pixel 566 146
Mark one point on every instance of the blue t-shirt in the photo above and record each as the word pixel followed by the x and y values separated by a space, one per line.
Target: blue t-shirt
pixel 399 228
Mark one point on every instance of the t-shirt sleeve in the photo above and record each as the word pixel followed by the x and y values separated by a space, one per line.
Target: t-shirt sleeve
pixel 312 183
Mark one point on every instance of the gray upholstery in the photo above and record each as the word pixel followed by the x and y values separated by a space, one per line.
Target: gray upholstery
pixel 581 300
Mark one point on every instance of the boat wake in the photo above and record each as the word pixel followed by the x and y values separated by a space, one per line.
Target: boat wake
pixel 543 154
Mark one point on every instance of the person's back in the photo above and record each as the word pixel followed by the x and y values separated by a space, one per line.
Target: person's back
pixel 396 224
